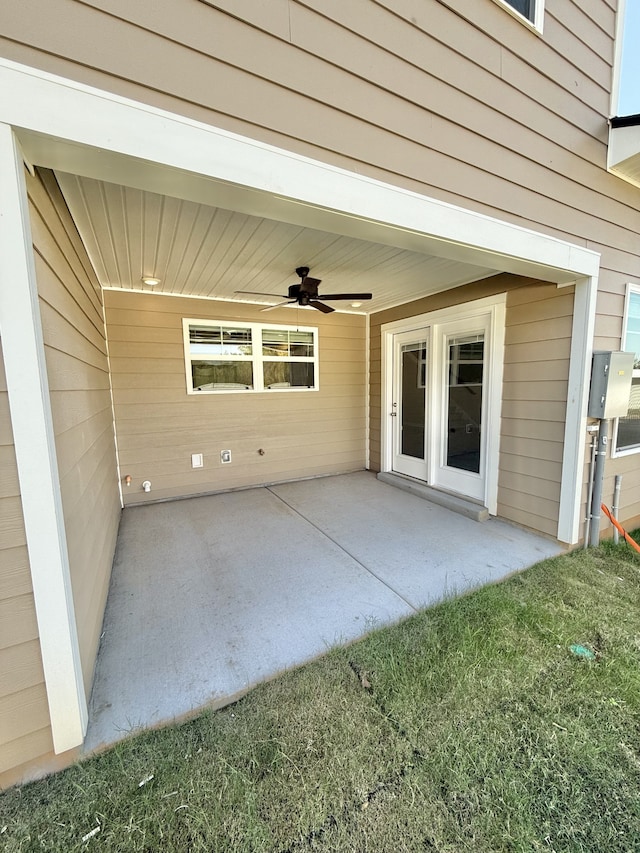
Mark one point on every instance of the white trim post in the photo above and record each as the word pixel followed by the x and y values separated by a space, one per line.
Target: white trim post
pixel 31 419
pixel 575 428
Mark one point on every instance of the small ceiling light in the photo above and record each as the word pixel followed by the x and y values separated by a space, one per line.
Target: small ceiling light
pixel 151 281
pixel 356 304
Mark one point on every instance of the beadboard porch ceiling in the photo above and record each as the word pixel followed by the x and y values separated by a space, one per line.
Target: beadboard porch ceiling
pixel 202 251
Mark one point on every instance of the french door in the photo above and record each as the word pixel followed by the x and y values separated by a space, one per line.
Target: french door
pixel 439 403
pixel 409 404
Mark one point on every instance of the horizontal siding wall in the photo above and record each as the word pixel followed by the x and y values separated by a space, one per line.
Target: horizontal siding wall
pixel 78 373
pixel 454 99
pixel 458 100
pixel 536 369
pixel 159 426
pixel 25 732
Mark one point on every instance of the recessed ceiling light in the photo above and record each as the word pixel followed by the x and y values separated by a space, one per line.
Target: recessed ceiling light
pixel 151 281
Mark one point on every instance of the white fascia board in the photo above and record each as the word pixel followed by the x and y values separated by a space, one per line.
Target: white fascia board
pixel 623 153
pixel 575 426
pixel 77 128
pixel 30 407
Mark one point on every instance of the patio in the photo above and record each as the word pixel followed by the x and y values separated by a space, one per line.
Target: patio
pixel 211 595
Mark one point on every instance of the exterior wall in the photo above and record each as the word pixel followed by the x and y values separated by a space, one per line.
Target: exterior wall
pixel 457 100
pixel 537 344
pixel 78 373
pixel 159 426
pixel 25 733
pixel 537 348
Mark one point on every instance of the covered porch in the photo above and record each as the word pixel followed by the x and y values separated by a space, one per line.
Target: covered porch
pixel 95 367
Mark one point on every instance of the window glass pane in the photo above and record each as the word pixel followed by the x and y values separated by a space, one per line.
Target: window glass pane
pixel 283 343
pixel 632 337
pixel 413 358
pixel 464 403
pixel 525 7
pixel 222 375
pixel 465 360
pixel 275 342
pixel 629 427
pixel 301 344
pixel 288 374
pixel 219 340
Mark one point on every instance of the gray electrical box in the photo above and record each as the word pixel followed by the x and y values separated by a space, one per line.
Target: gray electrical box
pixel 611 374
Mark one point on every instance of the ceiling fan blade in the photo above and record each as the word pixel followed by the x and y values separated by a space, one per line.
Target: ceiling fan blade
pixel 257 293
pixel 352 296
pixel 326 309
pixel 279 305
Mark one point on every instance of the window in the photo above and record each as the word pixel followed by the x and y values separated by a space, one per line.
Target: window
pixel 531 10
pixel 222 356
pixel 627 435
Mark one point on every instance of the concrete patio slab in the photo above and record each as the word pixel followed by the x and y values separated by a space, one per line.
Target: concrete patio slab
pixel 214 594
pixel 419 549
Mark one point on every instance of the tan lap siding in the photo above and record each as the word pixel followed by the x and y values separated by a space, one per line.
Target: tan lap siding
pixel 537 348
pixel 537 341
pixel 458 101
pixel 77 368
pixel 159 426
pixel 480 110
pixel 25 733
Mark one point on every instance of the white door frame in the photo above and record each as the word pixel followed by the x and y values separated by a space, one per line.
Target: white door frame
pixel 494 307
pixel 67 125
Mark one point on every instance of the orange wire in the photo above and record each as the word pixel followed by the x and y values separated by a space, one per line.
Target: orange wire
pixel 620 528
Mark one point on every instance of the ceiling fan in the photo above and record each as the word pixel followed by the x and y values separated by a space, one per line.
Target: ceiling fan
pixel 306 293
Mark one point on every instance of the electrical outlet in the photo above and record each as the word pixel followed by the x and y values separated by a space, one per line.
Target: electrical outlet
pixel 225 456
pixel 197 460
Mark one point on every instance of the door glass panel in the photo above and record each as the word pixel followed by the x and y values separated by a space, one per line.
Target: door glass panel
pixel 464 401
pixel 412 415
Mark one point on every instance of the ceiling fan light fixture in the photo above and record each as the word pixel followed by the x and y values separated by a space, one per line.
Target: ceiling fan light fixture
pixel 305 295
pixel 150 280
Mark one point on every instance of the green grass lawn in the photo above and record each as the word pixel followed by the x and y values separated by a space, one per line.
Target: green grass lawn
pixel 470 727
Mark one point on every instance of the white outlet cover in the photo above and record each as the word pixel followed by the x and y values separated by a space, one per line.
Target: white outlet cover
pixel 197 460
pixel 225 456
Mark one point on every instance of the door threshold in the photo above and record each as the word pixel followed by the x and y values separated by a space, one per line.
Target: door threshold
pixel 463 506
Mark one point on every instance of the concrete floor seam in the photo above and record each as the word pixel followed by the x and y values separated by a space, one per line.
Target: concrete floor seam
pixel 344 550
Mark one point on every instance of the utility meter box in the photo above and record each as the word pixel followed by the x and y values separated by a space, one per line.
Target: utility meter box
pixel 611 374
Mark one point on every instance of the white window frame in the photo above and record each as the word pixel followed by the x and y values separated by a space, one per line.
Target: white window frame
pixel 538 16
pixel 257 358
pixel 626 451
